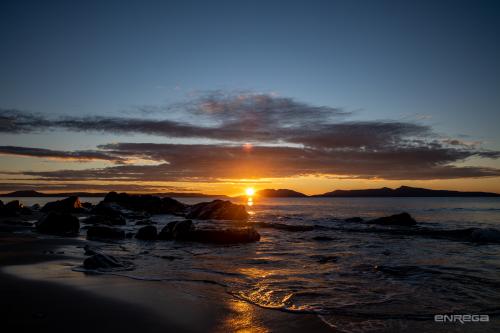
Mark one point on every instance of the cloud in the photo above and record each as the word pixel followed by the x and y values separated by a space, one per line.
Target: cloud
pixel 79 155
pixel 214 162
pixel 260 136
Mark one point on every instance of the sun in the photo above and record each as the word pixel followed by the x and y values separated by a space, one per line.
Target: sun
pixel 250 191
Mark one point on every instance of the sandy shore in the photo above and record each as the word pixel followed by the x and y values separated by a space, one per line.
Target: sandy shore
pixel 41 292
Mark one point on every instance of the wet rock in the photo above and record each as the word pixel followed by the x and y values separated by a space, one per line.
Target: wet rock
pixel 58 223
pixel 148 232
pixel 217 210
pixel 282 226
pixel 147 203
pixel 105 220
pixel 354 219
pixel 403 219
pixel 102 261
pixel 109 210
pixel 89 250
pixel 12 208
pixel 69 205
pixel 487 235
pixel 104 232
pixel 176 230
pixel 35 207
pixel 87 205
pixel 224 236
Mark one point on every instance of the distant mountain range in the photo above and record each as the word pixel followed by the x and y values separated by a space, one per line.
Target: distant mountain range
pixel 403 191
pixel 102 194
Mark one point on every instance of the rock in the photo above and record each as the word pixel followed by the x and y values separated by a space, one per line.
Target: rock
pixel 35 207
pixel 58 223
pixel 104 232
pixel 89 250
pixel 404 219
pixel 105 220
pixel 176 230
pixel 147 203
pixel 87 205
pixel 148 232
pixel 217 210
pixel 224 236
pixel 12 208
pixel 1 204
pixel 354 219
pixel 108 209
pixel 69 205
pixel 487 235
pixel 282 226
pixel 102 261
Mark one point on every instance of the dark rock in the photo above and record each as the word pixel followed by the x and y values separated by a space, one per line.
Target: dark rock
pixel 148 232
pixel 13 208
pixel 217 210
pixel 354 219
pixel 176 230
pixel 105 220
pixel 87 205
pixel 404 219
pixel 69 205
pixel 282 226
pixel 35 207
pixel 108 209
pixel 104 232
pixel 58 223
pixel 224 236
pixel 147 203
pixel 89 250
pixel 102 261
pixel 487 235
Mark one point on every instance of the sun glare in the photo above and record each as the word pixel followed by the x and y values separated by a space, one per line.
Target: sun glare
pixel 250 191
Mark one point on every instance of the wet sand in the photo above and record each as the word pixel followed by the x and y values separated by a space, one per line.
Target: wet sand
pixel 40 292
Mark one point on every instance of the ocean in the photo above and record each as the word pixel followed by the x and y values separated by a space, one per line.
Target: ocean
pixel 356 277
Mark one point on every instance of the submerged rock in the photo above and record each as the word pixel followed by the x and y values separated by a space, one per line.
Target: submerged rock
pixel 105 220
pixel 176 230
pixel 148 232
pixel 217 210
pixel 104 232
pixel 102 261
pixel 147 203
pixel 487 235
pixel 58 223
pixel 404 219
pixel 69 205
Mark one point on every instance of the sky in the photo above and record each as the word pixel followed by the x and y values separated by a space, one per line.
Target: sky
pixel 216 96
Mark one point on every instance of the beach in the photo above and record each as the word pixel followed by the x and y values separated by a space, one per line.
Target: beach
pixel 40 292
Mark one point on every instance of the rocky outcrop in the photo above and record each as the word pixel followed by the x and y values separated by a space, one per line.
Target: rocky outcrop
pixel 101 261
pixel 176 230
pixel 148 232
pixel 104 232
pixel 14 208
pixel 403 219
pixel 68 205
pixel 487 235
pixel 354 219
pixel 185 231
pixel 109 210
pixel 146 203
pixel 217 210
pixel 105 220
pixel 58 223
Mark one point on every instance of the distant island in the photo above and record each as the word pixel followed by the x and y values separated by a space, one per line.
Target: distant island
pixel 403 191
pixel 32 193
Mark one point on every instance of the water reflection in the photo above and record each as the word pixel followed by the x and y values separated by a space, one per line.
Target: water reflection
pixel 250 201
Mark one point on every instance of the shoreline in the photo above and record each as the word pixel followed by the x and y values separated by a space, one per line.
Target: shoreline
pixel 40 291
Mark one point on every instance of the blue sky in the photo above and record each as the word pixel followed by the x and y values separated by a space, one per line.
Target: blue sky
pixel 429 62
